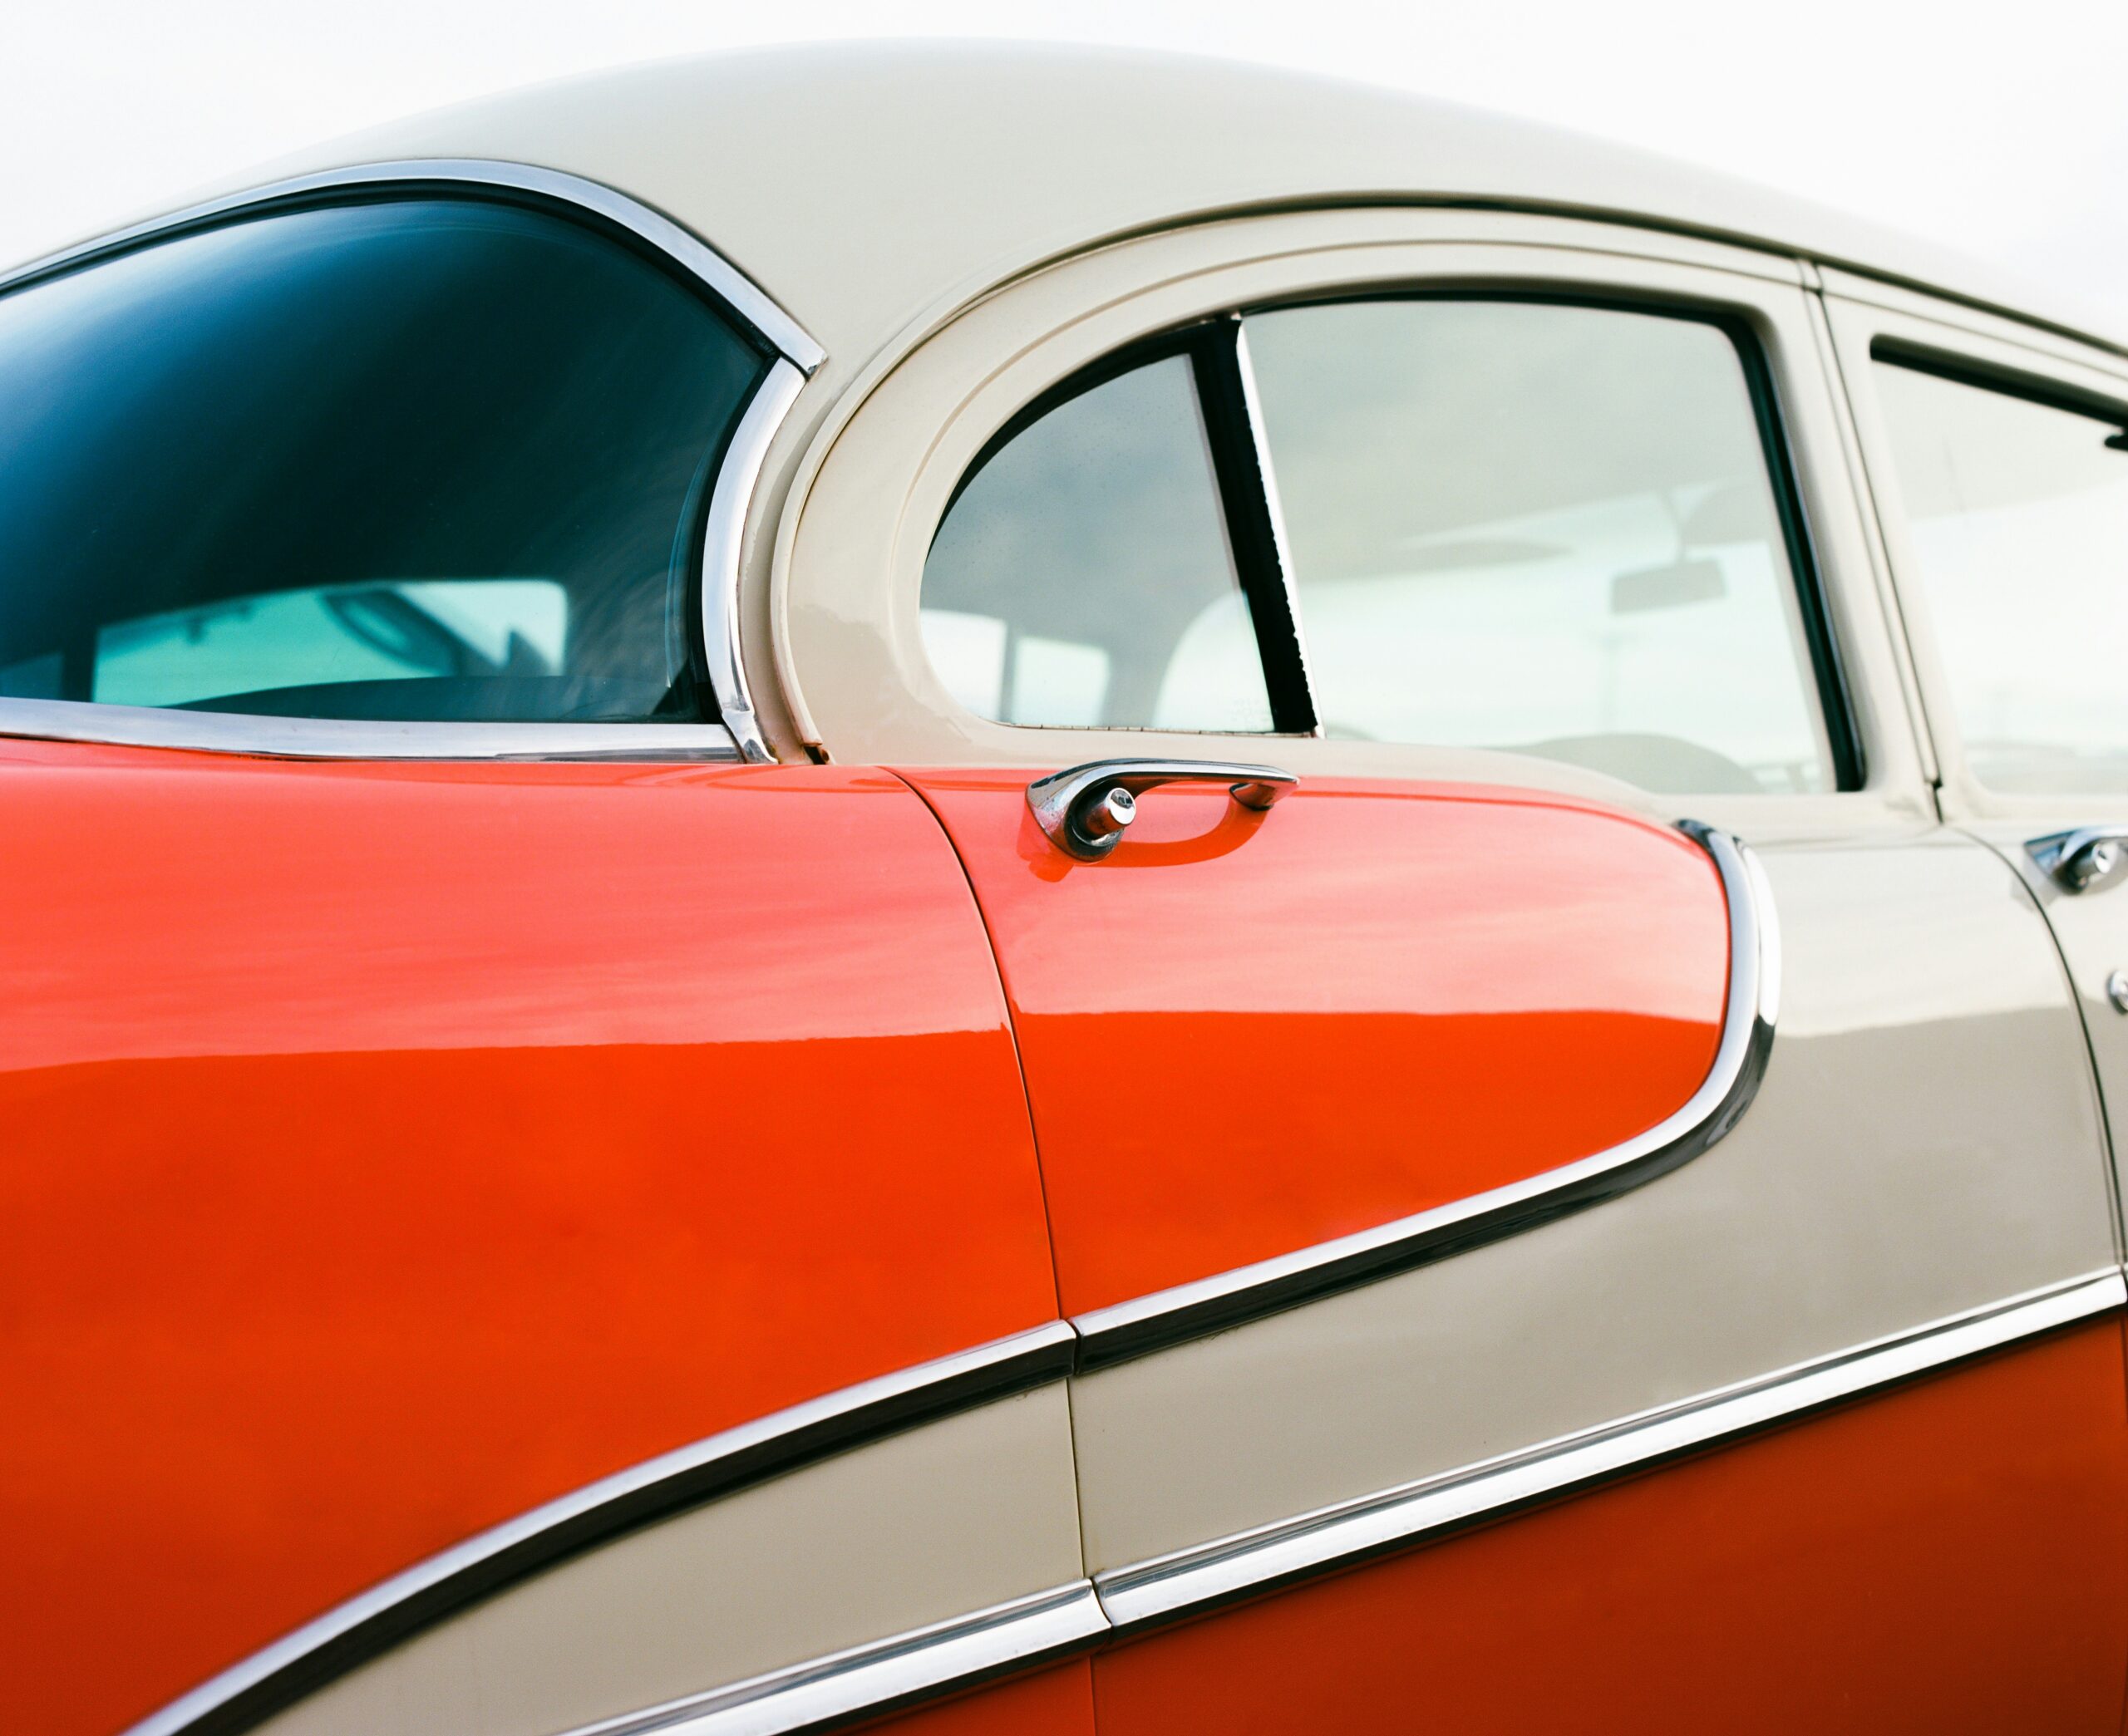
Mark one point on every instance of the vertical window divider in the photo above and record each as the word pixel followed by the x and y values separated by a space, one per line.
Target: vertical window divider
pixel 1256 532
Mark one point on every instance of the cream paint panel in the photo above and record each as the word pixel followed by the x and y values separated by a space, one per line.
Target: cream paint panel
pixel 945 1519
pixel 849 564
pixel 862 182
pixel 1926 1141
pixel 2092 927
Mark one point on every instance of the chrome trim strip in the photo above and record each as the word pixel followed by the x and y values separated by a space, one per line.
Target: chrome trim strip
pixel 332 738
pixel 737 736
pixel 1193 1580
pixel 769 1446
pixel 717 274
pixel 1259 438
pixel 867 1681
pixel 871 1679
pixel 1148 1323
pixel 736 481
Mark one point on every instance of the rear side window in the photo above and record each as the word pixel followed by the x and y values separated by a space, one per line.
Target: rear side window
pixel 2016 512
pixel 1544 527
pixel 420 459
pixel 1084 578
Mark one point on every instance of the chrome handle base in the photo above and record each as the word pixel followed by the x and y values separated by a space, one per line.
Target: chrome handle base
pixel 2080 860
pixel 1084 810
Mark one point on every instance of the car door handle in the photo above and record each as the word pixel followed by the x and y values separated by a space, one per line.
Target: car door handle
pixel 1085 809
pixel 2084 859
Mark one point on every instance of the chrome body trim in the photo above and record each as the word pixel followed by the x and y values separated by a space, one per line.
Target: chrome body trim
pixel 963 1651
pixel 710 268
pixel 341 1638
pixel 867 1681
pixel 1148 1323
pixel 1194 1580
pixel 872 1678
pixel 1259 438
pixel 736 479
pixel 796 356
pixel 332 738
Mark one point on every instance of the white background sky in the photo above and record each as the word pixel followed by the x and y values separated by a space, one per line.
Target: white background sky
pixel 2000 128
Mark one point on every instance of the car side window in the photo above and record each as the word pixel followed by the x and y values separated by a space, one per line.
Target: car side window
pixel 1542 527
pixel 2017 513
pixel 1083 576
pixel 430 458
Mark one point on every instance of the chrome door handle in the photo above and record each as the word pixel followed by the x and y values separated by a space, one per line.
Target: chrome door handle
pixel 1085 808
pixel 2083 858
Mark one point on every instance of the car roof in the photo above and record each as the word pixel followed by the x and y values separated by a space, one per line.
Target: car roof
pixel 865 186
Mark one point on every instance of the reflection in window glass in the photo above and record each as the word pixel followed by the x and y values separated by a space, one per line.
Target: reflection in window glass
pixel 492 627
pixel 1082 579
pixel 2018 514
pixel 416 458
pixel 1540 528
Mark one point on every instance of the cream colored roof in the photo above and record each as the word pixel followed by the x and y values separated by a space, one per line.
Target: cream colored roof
pixel 862 185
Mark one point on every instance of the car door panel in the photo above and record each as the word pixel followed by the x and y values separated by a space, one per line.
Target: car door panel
pixel 395 1149
pixel 1247 1034
pixel 2027 521
pixel 1925 1142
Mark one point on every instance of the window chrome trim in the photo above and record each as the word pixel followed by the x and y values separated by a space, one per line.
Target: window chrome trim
pixel 867 1681
pixel 1266 476
pixel 700 261
pixel 961 1653
pixel 1148 1323
pixel 796 357
pixel 722 1464
pixel 334 738
pixel 736 480
pixel 1190 1581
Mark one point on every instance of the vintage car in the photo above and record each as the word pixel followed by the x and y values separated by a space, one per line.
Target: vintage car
pixel 860 877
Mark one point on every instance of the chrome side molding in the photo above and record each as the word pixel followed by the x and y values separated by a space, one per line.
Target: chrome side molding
pixel 337 1640
pixel 1196 1579
pixel 869 1681
pixel 963 1652
pixel 1148 1323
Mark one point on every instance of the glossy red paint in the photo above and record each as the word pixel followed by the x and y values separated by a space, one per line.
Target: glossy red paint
pixel 390 1149
pixel 1054 1702
pixel 1245 1033
pixel 1950 1557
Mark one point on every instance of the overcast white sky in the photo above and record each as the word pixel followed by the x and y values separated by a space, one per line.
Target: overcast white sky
pixel 1999 128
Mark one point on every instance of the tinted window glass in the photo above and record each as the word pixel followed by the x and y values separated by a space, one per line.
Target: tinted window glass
pixel 1541 527
pixel 1083 577
pixel 2018 515
pixel 414 459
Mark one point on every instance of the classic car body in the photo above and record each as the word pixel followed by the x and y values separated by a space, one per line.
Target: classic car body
pixel 861 877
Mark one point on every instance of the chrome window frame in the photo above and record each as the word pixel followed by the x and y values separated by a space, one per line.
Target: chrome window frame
pixel 1254 516
pixel 793 357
